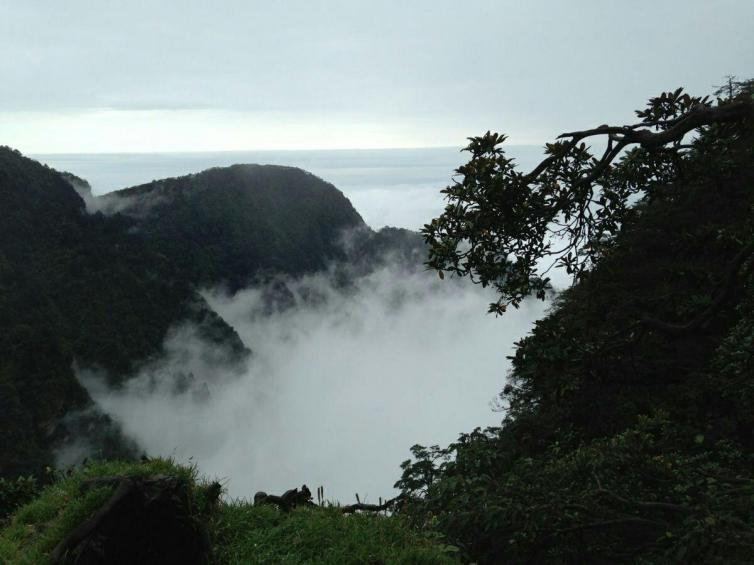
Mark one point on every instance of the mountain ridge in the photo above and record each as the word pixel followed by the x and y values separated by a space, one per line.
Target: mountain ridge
pixel 103 289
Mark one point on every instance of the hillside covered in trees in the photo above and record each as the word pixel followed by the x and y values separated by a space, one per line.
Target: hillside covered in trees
pixel 629 409
pixel 231 224
pixel 100 281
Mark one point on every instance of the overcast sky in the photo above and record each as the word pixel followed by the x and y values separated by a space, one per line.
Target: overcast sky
pixel 106 76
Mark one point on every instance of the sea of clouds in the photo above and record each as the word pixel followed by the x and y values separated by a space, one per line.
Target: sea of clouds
pixel 343 380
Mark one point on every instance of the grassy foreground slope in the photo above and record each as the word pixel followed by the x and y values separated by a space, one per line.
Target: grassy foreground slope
pixel 237 531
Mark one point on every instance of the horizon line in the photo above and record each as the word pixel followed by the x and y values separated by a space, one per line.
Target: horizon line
pixel 296 150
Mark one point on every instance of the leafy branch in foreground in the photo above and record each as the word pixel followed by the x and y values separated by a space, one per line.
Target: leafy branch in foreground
pixel 507 229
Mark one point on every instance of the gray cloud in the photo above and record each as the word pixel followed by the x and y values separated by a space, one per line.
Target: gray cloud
pixel 342 383
pixel 524 67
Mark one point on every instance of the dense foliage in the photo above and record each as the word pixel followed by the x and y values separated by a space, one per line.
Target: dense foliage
pixel 14 493
pixel 628 432
pixel 507 229
pixel 74 286
pixel 233 224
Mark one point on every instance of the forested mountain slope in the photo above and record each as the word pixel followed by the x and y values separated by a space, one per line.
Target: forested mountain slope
pixel 231 224
pixel 101 280
pixel 628 435
pixel 78 286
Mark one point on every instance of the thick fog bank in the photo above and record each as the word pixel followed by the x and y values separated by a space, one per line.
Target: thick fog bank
pixel 342 382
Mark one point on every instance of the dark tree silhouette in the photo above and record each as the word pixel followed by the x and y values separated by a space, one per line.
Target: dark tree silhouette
pixel 507 229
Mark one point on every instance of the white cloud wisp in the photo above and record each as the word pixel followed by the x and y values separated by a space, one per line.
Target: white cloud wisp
pixel 343 380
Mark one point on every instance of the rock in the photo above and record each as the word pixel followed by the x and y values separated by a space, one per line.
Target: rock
pixel 290 498
pixel 149 521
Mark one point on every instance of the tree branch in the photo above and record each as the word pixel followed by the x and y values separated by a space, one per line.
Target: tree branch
pixel 700 116
pixel 630 135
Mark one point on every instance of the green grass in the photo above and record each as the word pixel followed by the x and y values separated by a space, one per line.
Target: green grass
pixel 36 528
pixel 240 532
pixel 247 534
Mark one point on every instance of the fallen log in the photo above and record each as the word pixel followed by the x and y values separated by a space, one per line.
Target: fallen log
pixel 295 497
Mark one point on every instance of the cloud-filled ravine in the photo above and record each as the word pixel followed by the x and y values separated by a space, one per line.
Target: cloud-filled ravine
pixel 342 381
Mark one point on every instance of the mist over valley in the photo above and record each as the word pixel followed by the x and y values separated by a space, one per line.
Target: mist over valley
pixel 392 282
pixel 308 337
pixel 341 382
pixel 354 372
